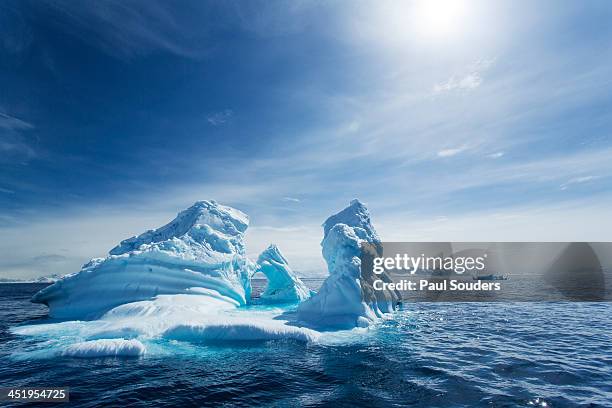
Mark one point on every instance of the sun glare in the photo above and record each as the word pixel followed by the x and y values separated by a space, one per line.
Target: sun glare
pixel 439 18
pixel 424 21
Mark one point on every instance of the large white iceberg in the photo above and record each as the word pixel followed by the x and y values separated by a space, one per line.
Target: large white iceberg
pixel 346 298
pixel 189 281
pixel 202 248
pixel 283 284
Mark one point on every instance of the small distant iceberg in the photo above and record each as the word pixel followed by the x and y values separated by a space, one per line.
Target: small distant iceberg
pixel 490 277
pixel 284 285
pixel 341 302
pixel 48 279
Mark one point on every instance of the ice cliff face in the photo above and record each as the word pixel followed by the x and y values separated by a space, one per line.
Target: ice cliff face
pixel 202 248
pixel 341 302
pixel 283 284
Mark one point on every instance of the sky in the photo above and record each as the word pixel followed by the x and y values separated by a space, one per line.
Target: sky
pixel 452 120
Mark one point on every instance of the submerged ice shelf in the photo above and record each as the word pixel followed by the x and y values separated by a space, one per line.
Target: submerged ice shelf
pixel 190 281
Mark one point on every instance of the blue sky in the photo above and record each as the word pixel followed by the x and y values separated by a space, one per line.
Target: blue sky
pixel 470 120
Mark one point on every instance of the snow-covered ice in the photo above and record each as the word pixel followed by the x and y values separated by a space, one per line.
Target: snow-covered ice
pixel 202 247
pixel 105 348
pixel 240 330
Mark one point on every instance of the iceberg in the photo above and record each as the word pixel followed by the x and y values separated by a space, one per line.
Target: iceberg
pixel 190 281
pixel 186 281
pixel 346 298
pixel 201 253
pixel 284 285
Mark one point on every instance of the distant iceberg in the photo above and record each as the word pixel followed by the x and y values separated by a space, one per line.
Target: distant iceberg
pixel 48 279
pixel 283 284
pixel 341 302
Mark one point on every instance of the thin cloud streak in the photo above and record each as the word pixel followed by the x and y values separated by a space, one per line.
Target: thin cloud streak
pixel 12 123
pixel 450 152
pixel 13 145
pixel 220 118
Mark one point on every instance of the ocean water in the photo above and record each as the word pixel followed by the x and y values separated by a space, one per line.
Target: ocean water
pixel 429 355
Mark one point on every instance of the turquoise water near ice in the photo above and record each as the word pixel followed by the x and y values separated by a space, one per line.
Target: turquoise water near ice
pixel 428 355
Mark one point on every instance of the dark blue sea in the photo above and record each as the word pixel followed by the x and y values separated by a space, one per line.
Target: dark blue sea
pixel 428 355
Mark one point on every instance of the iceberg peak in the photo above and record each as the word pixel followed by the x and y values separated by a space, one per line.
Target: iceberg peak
pixel 283 284
pixel 356 215
pixel 202 221
pixel 203 247
pixel 272 253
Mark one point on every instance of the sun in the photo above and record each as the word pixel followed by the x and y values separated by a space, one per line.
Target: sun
pixel 439 18
pixel 424 22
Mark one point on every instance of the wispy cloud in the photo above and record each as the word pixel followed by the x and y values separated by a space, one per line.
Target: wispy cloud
pixel 127 29
pixel 292 199
pixel 495 155
pixel 13 144
pixel 465 82
pixel 13 123
pixel 578 220
pixel 451 152
pixel 468 82
pixel 577 180
pixel 542 176
pixel 220 117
